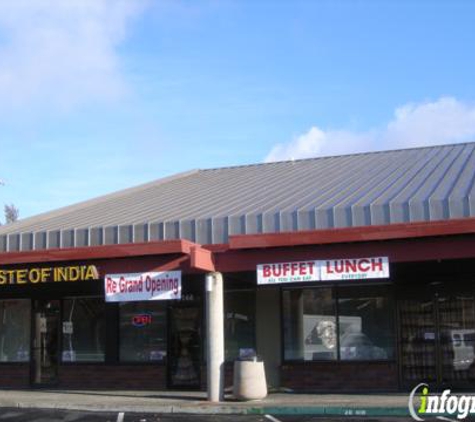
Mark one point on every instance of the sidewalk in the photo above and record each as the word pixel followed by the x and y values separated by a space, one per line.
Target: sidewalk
pixel 195 403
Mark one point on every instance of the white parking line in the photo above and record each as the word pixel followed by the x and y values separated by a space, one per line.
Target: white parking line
pixel 120 417
pixel 271 418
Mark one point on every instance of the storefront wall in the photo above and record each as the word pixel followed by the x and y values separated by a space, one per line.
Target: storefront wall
pixel 339 337
pixel 388 335
pixel 417 327
pixel 436 319
pixel 340 376
pixel 65 335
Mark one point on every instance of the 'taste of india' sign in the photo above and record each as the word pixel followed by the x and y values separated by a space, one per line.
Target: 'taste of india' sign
pixel 143 286
pixel 48 274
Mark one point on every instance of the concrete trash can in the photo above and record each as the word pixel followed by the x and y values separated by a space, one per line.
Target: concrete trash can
pixel 249 380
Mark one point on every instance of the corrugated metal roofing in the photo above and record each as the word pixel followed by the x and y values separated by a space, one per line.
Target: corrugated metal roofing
pixel 206 206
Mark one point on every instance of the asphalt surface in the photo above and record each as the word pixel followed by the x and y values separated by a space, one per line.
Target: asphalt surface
pixel 35 415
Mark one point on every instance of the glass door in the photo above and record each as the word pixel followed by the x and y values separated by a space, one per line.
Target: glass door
pixel 437 339
pixel 45 344
pixel 184 352
pixel 418 341
pixel 456 314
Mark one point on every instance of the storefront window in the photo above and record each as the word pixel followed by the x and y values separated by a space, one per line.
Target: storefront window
pixel 365 324
pixel 358 324
pixel 143 331
pixel 309 324
pixel 240 313
pixel 83 330
pixel 15 321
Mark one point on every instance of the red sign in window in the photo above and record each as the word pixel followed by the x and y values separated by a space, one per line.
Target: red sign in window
pixel 141 320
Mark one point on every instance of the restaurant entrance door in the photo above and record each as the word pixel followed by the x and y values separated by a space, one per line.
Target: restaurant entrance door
pixel 185 344
pixel 437 338
pixel 45 342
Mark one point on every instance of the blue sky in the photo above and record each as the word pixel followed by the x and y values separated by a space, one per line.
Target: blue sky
pixel 100 95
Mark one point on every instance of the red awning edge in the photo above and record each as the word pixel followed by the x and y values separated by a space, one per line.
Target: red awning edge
pixel 354 234
pixel 128 250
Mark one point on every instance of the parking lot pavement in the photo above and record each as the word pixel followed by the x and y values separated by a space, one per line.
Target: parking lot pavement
pixel 36 415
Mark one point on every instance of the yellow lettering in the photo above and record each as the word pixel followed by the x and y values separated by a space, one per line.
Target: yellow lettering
pixel 21 276
pixel 74 273
pixel 35 275
pixel 45 274
pixel 11 277
pixel 91 273
pixel 62 275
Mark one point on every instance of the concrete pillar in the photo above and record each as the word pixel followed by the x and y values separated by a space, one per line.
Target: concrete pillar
pixel 268 332
pixel 215 336
pixel 297 324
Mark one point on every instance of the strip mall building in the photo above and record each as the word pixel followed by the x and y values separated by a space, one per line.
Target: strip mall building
pixel 342 273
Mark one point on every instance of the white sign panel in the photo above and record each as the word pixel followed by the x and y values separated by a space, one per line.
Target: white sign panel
pixel 288 272
pixel 356 268
pixel 143 286
pixel 324 270
pixel 68 327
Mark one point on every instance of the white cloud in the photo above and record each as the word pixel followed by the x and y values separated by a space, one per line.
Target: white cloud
pixel 446 120
pixel 62 52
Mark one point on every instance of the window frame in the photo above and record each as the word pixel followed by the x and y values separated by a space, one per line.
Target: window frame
pixel 335 286
pixel 254 305
pixel 163 361
pixel 29 343
pixel 61 361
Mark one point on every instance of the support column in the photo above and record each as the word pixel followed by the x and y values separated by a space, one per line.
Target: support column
pixel 215 336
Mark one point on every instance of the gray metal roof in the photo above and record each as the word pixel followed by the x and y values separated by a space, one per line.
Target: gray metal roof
pixel 207 206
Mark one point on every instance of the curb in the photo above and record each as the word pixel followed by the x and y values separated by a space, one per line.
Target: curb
pixel 347 411
pixel 331 411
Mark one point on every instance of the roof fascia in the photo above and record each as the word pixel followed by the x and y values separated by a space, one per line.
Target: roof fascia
pixel 355 234
pixel 128 250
